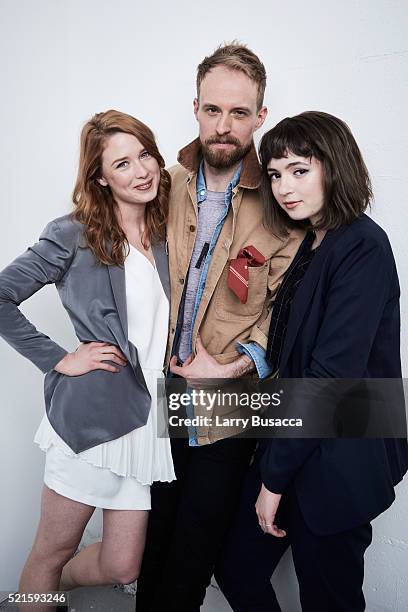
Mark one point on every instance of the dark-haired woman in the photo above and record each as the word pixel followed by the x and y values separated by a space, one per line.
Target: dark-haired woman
pixel 336 315
pixel 108 262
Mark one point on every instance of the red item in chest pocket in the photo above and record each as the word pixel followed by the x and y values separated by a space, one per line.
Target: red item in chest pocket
pixel 238 273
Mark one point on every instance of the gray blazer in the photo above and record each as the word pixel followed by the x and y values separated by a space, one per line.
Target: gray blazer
pixel 95 407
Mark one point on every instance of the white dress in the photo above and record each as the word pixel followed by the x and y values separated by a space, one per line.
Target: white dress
pixel 118 474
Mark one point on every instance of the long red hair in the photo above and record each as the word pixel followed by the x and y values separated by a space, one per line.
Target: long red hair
pixel 94 204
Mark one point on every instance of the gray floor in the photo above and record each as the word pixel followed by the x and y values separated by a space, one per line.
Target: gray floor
pixel 113 599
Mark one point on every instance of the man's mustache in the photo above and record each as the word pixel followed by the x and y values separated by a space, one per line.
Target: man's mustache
pixel 222 140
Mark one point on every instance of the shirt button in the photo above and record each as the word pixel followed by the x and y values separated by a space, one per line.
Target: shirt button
pixel 181 281
pixel 192 228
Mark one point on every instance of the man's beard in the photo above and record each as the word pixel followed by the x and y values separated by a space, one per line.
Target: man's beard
pixel 223 159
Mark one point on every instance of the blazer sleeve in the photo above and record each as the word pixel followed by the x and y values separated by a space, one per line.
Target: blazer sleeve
pixel 361 279
pixel 44 263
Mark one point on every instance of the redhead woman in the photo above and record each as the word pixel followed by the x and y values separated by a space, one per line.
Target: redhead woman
pixel 336 315
pixel 108 262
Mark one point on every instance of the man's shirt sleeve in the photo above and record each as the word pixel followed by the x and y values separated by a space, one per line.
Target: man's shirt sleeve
pixel 257 354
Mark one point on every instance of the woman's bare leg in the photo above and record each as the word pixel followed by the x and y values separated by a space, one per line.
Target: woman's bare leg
pixel 117 558
pixel 62 524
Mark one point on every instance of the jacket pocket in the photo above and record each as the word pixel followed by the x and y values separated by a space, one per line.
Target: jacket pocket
pixel 228 306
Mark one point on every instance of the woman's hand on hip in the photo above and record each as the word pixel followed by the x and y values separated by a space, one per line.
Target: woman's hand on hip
pixel 91 356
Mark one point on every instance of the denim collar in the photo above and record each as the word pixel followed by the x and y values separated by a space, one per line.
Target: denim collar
pixel 202 188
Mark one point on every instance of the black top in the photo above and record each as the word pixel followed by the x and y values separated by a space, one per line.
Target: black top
pixel 286 292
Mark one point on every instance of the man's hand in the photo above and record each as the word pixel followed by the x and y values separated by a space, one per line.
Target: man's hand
pixel 266 508
pixel 203 365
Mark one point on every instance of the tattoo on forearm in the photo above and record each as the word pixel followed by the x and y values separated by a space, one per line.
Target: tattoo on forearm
pixel 241 366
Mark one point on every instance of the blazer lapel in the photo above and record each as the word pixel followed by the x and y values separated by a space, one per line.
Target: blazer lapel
pixel 117 279
pixel 304 293
pixel 162 266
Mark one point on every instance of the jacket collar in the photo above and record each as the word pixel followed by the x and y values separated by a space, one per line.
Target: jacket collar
pixel 190 157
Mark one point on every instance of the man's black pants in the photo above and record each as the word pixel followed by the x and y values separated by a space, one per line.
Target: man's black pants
pixel 330 569
pixel 188 523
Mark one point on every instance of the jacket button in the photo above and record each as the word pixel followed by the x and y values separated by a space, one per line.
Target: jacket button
pixel 181 281
pixel 192 228
pixel 172 330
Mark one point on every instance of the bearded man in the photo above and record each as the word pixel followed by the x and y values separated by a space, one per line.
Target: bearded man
pixel 219 321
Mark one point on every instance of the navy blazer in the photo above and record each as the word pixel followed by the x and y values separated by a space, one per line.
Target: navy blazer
pixel 98 406
pixel 344 322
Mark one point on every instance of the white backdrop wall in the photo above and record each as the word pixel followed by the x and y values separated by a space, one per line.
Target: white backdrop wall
pixel 62 61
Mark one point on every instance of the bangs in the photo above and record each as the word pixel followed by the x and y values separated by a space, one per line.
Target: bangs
pixel 346 182
pixel 286 137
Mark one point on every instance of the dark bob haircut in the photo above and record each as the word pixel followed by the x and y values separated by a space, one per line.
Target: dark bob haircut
pixel 347 186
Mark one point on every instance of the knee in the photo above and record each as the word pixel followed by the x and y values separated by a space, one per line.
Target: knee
pixel 121 572
pixel 231 575
pixel 127 575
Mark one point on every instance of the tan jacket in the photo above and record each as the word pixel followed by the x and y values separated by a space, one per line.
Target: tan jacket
pixel 222 319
